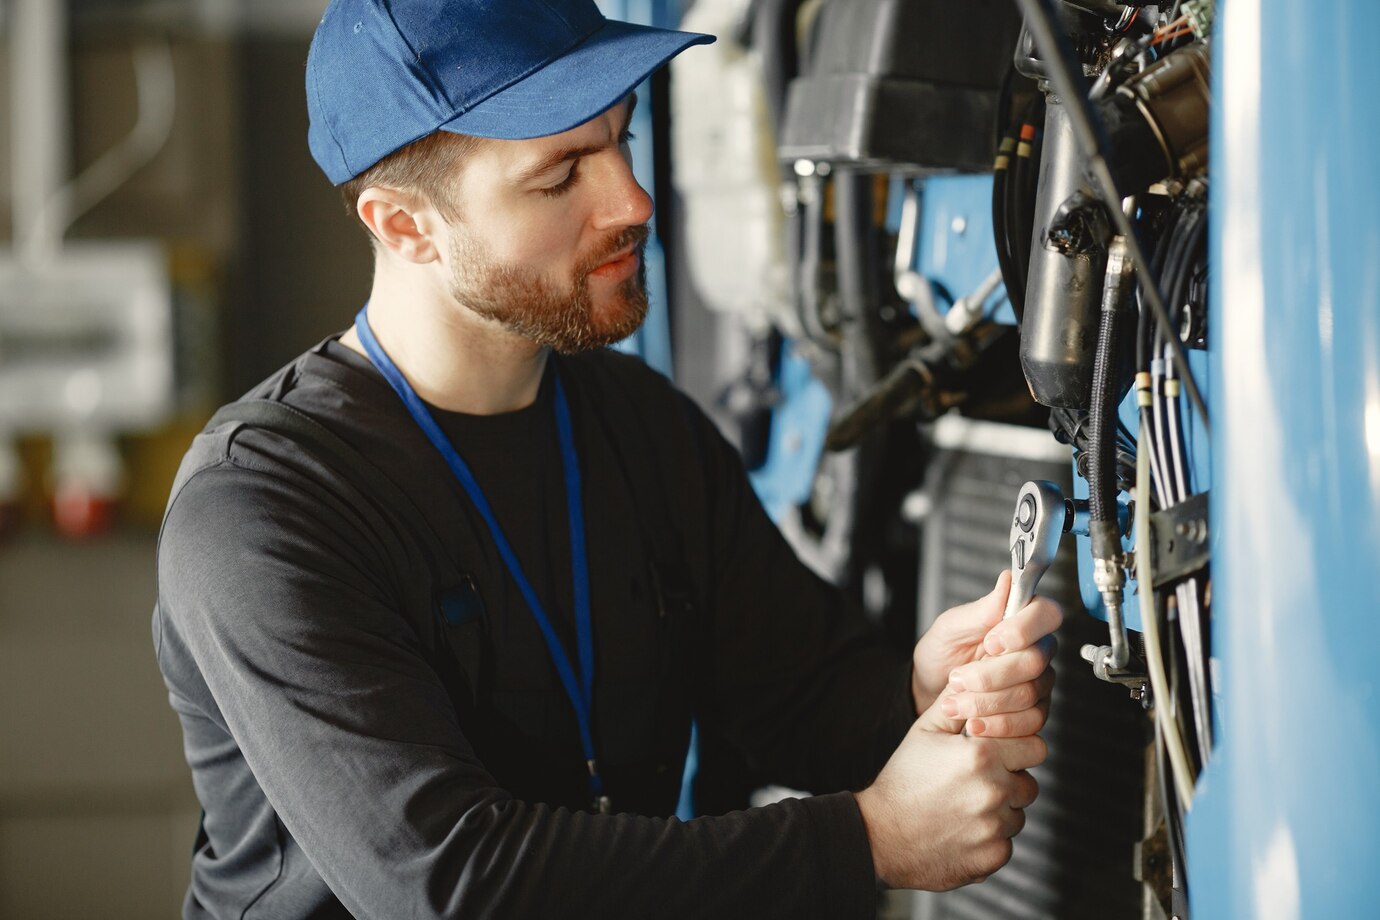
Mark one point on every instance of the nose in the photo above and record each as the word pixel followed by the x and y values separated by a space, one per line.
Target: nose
pixel 625 203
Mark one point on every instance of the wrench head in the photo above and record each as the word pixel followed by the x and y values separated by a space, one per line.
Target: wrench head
pixel 1036 525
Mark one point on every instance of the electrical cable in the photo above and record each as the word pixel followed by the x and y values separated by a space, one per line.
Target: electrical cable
pixel 1020 260
pixel 1154 649
pixel 1173 816
pixel 1001 173
pixel 1190 614
pixel 1071 87
pixel 1019 194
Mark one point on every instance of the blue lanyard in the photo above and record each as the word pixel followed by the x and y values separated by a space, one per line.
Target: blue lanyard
pixel 580 689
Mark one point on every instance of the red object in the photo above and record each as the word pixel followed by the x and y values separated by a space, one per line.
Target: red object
pixel 81 513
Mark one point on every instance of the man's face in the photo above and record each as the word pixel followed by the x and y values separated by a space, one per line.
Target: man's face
pixel 550 241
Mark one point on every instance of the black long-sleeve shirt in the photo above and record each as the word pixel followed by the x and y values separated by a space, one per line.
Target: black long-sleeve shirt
pixel 358 754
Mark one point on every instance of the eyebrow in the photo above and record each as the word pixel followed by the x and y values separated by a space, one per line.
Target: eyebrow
pixel 557 157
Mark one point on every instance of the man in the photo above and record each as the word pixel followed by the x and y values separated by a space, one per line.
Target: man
pixel 467 691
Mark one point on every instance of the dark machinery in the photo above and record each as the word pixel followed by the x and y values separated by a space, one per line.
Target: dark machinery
pixel 1091 118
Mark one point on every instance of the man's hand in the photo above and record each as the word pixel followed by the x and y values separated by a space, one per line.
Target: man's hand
pixel 945 807
pixel 971 666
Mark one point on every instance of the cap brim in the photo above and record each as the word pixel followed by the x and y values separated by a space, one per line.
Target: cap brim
pixel 577 86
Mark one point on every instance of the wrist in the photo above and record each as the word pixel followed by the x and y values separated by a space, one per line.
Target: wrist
pixel 874 814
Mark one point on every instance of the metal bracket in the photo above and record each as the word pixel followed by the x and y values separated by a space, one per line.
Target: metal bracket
pixel 1179 540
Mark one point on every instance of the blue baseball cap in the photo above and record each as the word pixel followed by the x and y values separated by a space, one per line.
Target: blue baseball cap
pixel 384 73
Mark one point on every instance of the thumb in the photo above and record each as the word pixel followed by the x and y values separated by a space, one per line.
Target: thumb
pixel 934 720
pixel 974 619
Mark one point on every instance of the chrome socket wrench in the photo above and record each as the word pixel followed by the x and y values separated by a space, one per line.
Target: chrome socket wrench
pixel 1036 528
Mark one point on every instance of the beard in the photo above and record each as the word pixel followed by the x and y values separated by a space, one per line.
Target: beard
pixel 525 301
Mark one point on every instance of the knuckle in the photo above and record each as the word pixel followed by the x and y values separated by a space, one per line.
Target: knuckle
pixel 998 855
pixel 1050 611
pixel 997 726
pixel 983 755
pixel 976 680
pixel 1048 678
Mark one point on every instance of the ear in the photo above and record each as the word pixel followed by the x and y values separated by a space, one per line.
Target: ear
pixel 402 224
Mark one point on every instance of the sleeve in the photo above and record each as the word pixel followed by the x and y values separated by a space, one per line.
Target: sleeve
pixel 277 596
pixel 802 684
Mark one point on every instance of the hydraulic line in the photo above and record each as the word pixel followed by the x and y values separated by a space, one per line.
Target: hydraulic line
pixel 1104 527
pixel 1167 475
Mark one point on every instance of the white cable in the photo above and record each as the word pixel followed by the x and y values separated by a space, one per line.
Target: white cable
pixel 1159 681
pixel 156 84
pixel 1190 617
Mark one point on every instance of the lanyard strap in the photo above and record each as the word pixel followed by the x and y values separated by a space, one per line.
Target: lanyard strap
pixel 579 688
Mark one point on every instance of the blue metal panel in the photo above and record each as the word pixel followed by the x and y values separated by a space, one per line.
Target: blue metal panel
pixel 1285 825
pixel 956 248
pixel 798 425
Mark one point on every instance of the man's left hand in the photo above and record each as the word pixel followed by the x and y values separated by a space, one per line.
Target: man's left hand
pixel 973 665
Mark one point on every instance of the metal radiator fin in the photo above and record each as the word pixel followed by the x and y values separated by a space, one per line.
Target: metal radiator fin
pixel 1074 858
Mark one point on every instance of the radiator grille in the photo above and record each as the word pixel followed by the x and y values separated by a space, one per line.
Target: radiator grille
pixel 1074 858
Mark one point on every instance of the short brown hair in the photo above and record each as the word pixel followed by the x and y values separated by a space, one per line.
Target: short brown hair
pixel 427 166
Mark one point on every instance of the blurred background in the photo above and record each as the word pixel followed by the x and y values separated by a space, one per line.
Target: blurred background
pixel 869 264
pixel 165 242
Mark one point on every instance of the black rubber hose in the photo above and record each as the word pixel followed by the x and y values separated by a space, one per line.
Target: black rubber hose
pixel 855 255
pixel 1001 176
pixel 1022 190
pixel 1011 218
pixel 1102 421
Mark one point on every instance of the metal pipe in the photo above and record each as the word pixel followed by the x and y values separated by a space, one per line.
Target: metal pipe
pixel 39 122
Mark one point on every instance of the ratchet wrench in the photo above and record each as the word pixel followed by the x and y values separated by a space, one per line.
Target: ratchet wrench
pixel 1035 530
pixel 1036 527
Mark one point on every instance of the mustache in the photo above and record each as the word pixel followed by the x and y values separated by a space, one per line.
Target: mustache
pixel 630 237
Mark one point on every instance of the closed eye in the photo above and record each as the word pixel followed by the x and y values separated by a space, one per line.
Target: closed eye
pixel 565 185
pixel 573 177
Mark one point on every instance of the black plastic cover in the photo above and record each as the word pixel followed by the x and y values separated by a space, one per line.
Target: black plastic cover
pixel 903 83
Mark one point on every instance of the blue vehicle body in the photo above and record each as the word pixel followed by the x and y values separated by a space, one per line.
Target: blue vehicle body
pixel 1285 823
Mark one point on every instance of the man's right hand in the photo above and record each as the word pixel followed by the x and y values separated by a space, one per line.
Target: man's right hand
pixel 944 808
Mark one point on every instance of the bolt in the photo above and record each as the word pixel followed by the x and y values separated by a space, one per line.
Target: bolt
pixel 959 225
